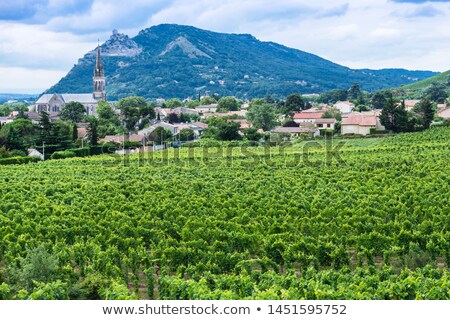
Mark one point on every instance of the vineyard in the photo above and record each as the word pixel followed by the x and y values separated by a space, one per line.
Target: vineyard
pixel 350 219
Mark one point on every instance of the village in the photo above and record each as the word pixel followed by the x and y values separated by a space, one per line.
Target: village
pixel 134 124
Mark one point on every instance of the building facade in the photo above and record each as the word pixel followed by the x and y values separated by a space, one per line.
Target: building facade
pixel 55 102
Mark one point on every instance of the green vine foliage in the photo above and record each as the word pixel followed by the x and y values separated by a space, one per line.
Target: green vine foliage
pixel 232 222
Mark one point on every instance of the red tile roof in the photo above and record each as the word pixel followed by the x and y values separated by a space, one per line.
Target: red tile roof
pixel 360 120
pixel 308 115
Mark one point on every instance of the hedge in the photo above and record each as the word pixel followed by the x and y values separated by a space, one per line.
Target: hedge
pixel 18 160
pixel 63 155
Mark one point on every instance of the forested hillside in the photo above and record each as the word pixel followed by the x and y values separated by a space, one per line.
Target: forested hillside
pixel 181 61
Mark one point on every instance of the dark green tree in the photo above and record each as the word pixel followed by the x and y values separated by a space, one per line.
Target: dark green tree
pixel 173 118
pixel 379 98
pixel 437 92
pixel 74 132
pixel 252 134
pixel 394 116
pixel 354 93
pixel 44 124
pixel 73 111
pixel 228 131
pixel 426 111
pixel 294 103
pixel 227 104
pixel 92 130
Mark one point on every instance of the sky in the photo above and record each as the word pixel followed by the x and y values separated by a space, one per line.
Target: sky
pixel 40 40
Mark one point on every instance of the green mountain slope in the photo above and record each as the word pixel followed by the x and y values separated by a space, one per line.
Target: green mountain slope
pixel 443 77
pixel 181 61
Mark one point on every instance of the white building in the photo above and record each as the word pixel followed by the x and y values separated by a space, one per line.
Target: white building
pixel 344 106
pixel 54 102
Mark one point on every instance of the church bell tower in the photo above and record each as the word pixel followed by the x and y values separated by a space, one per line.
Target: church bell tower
pixel 99 78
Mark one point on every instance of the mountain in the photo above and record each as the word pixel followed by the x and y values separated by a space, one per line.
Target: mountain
pixel 416 89
pixel 4 97
pixel 180 61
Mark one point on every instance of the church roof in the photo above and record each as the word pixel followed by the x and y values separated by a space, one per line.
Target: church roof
pixel 45 98
pixel 68 97
pixel 79 97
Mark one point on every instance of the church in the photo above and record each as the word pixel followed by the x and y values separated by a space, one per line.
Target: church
pixel 54 102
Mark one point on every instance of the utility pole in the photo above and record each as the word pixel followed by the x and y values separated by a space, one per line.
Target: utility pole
pixel 43 150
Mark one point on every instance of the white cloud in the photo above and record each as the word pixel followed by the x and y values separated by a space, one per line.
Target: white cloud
pixel 23 80
pixel 359 34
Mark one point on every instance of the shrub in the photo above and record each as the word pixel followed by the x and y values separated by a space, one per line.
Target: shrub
pixel 18 160
pixel 80 152
pixel 63 155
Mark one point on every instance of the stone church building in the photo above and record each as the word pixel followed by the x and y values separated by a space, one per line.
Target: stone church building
pixel 54 102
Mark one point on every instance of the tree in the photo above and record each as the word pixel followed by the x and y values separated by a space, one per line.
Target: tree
pixel 134 110
pixel 379 98
pixel 38 265
pixel 333 96
pixel 44 124
pixel 186 134
pixel 227 104
pixel 73 111
pixel 160 135
pixel 21 112
pixel 19 134
pixel 294 103
pixel 291 124
pixel 437 92
pixel 228 131
pixel 426 110
pixel 5 111
pixel 354 93
pixel 262 116
pixel 92 130
pixel 173 118
pixel 207 100
pixel 74 132
pixel 173 103
pixel 252 134
pixel 393 116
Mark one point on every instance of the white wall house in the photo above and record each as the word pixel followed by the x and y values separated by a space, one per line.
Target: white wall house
pixel 344 106
pixel 360 123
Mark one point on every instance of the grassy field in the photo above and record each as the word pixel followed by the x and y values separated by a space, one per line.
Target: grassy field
pixel 343 219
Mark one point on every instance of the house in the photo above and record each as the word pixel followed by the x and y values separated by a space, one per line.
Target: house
pixel 146 131
pixel 35 116
pixel 207 108
pixel 344 106
pixel 325 123
pixel 121 138
pixel 180 110
pixel 5 120
pixel 308 116
pixel 35 153
pixel 294 131
pixel 244 124
pixel 445 113
pixel 360 123
pixel 197 127
pixel 410 104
